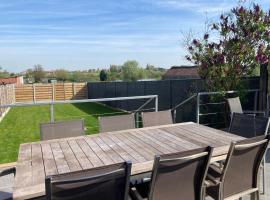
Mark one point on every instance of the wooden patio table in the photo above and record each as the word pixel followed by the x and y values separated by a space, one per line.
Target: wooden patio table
pixel 38 159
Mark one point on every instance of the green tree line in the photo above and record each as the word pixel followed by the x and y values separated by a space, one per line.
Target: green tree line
pixel 129 71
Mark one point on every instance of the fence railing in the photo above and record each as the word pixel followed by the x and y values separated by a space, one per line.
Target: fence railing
pixel 52 103
pixel 198 99
pixel 199 114
pixel 54 92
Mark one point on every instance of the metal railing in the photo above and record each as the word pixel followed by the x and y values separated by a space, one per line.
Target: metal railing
pixel 52 103
pixel 174 109
pixel 198 104
pixel 200 94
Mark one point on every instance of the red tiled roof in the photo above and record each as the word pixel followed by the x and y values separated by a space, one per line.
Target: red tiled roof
pixel 177 72
pixel 11 80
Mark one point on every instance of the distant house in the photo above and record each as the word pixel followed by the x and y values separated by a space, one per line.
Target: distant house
pixel 181 72
pixel 11 80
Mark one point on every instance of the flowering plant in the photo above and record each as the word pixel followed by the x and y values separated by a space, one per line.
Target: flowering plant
pixel 243 43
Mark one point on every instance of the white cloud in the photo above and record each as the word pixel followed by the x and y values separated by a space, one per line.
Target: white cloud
pixel 198 6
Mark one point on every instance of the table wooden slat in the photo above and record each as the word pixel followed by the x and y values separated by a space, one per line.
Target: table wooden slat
pixel 24 166
pixel 36 160
pixel 60 160
pixel 117 148
pixel 142 149
pixel 109 151
pixel 80 155
pixel 99 152
pixel 48 159
pixel 93 158
pixel 158 144
pixel 126 147
pixel 72 161
pixel 38 172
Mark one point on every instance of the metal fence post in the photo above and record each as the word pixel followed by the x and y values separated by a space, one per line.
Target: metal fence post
pixel 174 116
pixel 137 120
pixel 198 109
pixel 156 104
pixel 51 113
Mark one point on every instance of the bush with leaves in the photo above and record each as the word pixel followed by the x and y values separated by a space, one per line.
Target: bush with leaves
pixel 131 71
pixel 243 43
pixel 103 75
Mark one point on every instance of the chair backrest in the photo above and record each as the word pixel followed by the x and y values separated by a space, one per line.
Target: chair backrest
pixel 248 125
pixel 116 123
pixel 57 130
pixel 104 183
pixel 180 175
pixel 261 125
pixel 242 125
pixel 157 118
pixel 241 167
pixel 235 105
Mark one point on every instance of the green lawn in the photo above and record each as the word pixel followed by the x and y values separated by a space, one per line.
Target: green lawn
pixel 21 124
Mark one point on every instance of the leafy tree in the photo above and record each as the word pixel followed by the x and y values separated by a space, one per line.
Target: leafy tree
pixel 243 44
pixel 38 73
pixel 79 76
pixel 131 71
pixel 61 74
pixel 103 75
pixel 153 72
pixel 114 73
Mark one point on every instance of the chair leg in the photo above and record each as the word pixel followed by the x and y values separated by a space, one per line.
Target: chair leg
pixel 263 176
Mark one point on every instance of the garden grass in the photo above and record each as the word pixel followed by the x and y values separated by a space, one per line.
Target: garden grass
pixel 21 124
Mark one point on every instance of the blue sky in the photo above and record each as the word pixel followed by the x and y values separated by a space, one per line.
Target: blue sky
pixel 83 34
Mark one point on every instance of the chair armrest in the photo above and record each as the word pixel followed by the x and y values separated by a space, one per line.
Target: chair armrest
pixel 134 194
pixel 8 171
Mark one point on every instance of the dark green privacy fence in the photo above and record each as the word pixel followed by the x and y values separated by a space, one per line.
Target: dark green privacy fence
pixel 170 94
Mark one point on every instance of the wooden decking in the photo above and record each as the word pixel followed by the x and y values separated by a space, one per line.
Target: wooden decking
pixel 40 159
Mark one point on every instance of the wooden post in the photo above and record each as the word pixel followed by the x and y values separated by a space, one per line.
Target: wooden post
pixel 86 91
pixel 34 92
pixel 53 91
pixel 14 93
pixel 74 90
pixel 263 87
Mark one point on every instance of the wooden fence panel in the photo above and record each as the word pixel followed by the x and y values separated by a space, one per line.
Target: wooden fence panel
pixel 7 96
pixel 24 93
pixel 43 92
pixel 48 92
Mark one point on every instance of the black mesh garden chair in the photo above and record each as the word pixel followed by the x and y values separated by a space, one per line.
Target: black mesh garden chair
pixel 236 107
pixel 6 172
pixel 176 176
pixel 239 174
pixel 65 129
pixel 249 126
pixel 103 183
pixel 116 123
pixel 157 118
